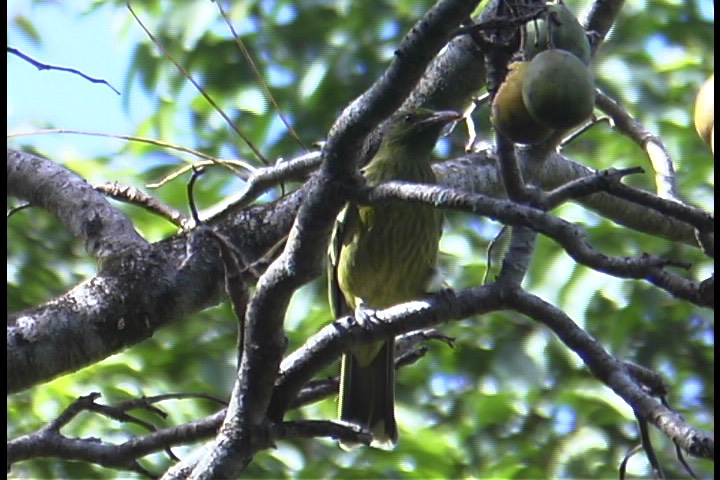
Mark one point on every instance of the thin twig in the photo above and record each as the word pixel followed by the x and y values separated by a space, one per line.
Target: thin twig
pixel 259 78
pixel 12 211
pixel 264 178
pixel 135 196
pixel 647 446
pixel 44 66
pixel 584 186
pixel 185 168
pixel 584 128
pixel 151 141
pixel 191 194
pixel 207 97
pixel 653 146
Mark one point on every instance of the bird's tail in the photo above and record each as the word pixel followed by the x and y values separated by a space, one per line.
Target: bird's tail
pixel 367 393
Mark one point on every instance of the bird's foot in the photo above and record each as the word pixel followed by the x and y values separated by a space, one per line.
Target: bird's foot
pixel 366 316
pixel 446 295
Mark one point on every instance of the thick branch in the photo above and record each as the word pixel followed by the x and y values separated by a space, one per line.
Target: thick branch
pixel 36 343
pixel 613 373
pixel 325 346
pixel 134 295
pixel 571 237
pixel 244 431
pixel 479 173
pixel 84 211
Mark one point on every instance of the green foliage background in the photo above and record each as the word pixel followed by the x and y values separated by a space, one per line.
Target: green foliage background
pixel 509 400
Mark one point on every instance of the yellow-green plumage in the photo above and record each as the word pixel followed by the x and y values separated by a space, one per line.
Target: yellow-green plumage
pixel 382 256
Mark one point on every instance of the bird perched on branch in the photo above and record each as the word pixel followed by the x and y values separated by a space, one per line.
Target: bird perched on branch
pixel 381 256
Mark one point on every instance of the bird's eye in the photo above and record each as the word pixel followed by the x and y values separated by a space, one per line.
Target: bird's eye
pixel 410 118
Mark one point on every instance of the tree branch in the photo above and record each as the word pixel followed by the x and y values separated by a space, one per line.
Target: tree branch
pixel 136 294
pixel 614 374
pixel 245 430
pixel 653 146
pixel 84 211
pixel 571 237
pixel 325 347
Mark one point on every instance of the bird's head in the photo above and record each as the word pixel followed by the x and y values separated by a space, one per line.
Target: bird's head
pixel 418 128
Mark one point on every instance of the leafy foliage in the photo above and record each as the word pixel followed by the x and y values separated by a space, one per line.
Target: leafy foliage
pixel 509 400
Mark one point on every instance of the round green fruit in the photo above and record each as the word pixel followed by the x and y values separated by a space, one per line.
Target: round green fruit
pixel 559 29
pixel 508 113
pixel 705 112
pixel 558 89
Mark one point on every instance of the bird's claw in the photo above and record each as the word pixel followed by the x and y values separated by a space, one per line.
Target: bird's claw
pixel 366 316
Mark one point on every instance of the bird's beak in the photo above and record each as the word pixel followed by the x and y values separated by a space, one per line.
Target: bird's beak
pixel 442 117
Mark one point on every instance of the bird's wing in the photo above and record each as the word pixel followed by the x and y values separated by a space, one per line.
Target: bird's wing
pixel 345 224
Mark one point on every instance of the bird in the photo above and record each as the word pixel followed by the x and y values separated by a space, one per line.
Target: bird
pixel 381 256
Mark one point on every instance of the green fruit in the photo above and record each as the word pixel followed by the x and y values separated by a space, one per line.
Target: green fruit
pixel 559 29
pixel 558 89
pixel 508 113
pixel 705 112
